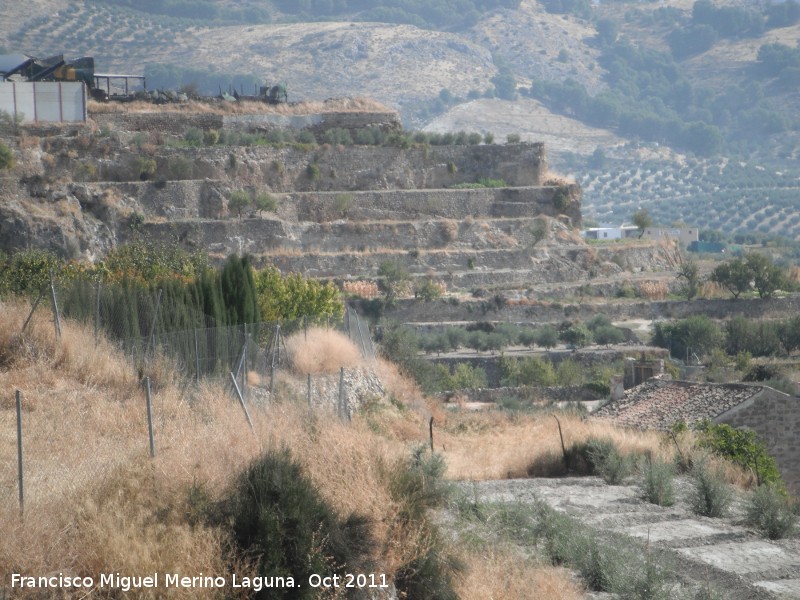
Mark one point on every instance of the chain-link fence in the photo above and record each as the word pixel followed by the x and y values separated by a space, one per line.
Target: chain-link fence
pixel 55 439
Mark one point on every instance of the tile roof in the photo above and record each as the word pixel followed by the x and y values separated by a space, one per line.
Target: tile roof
pixel 658 403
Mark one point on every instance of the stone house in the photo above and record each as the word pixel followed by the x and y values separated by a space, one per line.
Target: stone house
pixel 773 415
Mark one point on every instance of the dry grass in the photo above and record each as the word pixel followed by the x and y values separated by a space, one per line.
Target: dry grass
pixel 499 575
pixel 243 108
pixel 96 502
pixel 496 445
pixel 321 351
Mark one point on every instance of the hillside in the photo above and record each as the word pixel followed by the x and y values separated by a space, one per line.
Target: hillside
pixel 712 101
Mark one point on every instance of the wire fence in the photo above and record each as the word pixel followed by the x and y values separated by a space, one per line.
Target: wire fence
pixel 44 449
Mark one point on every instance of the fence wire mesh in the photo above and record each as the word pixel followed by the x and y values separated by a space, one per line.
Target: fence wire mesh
pixel 69 440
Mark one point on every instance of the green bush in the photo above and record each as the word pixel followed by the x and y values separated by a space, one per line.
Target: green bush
pixel 710 495
pixel 655 482
pixel 768 509
pixel 6 157
pixel 418 485
pixel 280 519
pixel 607 461
pixel 743 447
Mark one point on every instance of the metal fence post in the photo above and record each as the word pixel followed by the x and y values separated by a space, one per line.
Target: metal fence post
pixel 196 358
pixel 309 390
pixel 244 362
pixel 341 408
pixel 150 417
pixel 54 300
pixel 97 312
pixel 241 402
pixel 19 454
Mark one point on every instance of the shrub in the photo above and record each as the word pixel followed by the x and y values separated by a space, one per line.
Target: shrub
pixel 513 138
pixel 6 157
pixel 193 136
pixel 607 461
pixel 313 172
pixel 769 511
pixel 655 483
pixel 710 495
pixel 179 167
pixel 279 517
pixel 146 167
pixel 418 485
pixel 741 446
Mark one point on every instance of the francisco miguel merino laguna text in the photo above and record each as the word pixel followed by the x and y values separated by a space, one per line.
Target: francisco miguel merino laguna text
pixel 156 580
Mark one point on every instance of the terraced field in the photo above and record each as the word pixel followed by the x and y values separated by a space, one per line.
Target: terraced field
pixel 730 196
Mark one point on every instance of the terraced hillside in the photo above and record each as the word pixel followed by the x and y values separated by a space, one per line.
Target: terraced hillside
pixel 337 211
pixel 736 197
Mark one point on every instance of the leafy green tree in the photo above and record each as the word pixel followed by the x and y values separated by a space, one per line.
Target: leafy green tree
pixel 697 334
pixel 642 219
pixel 767 277
pixel 265 202
pixel 293 297
pixel 608 335
pixel 690 273
pixel 734 275
pixel 238 201
pixel 576 336
pixel 393 279
pixel 547 337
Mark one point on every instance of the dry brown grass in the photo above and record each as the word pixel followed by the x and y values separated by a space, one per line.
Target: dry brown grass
pixel 96 501
pixel 243 108
pixel 500 575
pixel 321 351
pixel 496 445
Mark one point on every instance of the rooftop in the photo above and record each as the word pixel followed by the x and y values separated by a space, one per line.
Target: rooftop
pixel 659 403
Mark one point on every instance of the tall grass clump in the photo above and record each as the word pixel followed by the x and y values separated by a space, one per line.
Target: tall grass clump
pixel 607 461
pixel 770 512
pixel 655 481
pixel 279 517
pixel 710 496
pixel 321 351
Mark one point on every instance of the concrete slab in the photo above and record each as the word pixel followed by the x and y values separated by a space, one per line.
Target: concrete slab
pixel 743 557
pixel 667 531
pixel 785 588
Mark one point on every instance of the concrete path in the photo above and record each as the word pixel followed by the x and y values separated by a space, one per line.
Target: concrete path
pixel 737 562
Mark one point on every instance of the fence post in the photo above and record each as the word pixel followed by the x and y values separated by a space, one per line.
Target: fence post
pixel 54 300
pixel 196 358
pixel 342 408
pixel 309 390
pixel 97 312
pixel 241 402
pixel 19 455
pixel 430 430
pixel 150 417
pixel 244 362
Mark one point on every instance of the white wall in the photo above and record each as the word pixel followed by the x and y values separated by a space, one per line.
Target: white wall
pixel 44 101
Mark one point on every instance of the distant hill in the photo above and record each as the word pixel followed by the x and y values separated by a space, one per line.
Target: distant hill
pixel 718 81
